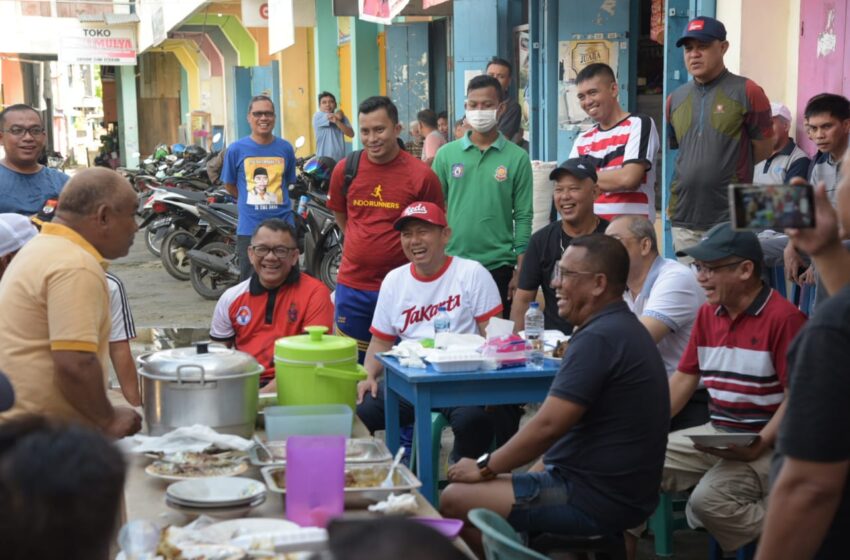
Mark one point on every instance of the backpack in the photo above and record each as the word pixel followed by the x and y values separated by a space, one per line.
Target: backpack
pixel 352 162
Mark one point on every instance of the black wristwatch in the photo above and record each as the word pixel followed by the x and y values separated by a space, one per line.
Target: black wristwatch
pixel 482 463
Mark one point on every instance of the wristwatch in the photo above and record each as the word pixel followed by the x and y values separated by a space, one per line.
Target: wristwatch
pixel 486 472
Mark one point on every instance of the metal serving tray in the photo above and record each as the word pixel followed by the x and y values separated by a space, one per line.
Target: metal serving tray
pixel 403 481
pixel 357 450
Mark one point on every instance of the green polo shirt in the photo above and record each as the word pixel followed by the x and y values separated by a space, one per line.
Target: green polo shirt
pixel 488 200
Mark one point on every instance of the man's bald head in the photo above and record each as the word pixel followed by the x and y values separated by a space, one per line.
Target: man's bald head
pixel 100 205
pixel 90 188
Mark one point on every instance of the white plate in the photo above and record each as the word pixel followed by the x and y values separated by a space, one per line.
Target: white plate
pixel 223 490
pixel 226 530
pixel 236 469
pixel 721 441
pixel 225 512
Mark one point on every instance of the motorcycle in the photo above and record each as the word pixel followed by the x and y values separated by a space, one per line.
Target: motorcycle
pixel 214 265
pixel 322 244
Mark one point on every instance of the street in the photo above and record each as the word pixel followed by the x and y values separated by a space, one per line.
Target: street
pixel 157 299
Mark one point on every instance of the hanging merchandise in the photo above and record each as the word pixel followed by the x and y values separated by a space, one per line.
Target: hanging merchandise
pixel 656 22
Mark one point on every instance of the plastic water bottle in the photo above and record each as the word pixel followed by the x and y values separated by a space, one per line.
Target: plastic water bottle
pixel 534 336
pixel 442 322
pixel 302 206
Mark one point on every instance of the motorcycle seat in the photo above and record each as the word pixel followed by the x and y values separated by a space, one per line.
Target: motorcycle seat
pixel 192 195
pixel 227 207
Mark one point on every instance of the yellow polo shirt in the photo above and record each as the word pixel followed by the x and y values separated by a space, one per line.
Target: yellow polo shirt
pixel 53 296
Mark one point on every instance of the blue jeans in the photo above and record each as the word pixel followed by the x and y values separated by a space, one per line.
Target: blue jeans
pixel 543 506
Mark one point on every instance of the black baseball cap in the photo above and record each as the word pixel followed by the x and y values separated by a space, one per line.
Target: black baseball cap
pixel 7 393
pixel 578 167
pixel 705 29
pixel 721 242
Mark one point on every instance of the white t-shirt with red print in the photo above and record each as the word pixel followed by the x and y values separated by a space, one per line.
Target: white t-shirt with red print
pixel 408 303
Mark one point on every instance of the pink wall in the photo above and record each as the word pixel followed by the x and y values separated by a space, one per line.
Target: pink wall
pixel 13 82
pixel 824 60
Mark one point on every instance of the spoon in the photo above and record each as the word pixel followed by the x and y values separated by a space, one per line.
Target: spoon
pixel 264 447
pixel 388 482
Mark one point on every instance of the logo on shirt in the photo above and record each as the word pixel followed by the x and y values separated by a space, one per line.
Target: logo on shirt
pixel 501 173
pixel 292 314
pixel 719 109
pixel 413 315
pixel 457 170
pixel 376 200
pixel 243 315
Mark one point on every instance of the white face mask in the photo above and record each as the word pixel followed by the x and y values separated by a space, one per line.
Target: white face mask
pixel 482 120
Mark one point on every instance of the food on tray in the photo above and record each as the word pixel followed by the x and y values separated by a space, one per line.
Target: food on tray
pixel 178 543
pixel 559 350
pixel 363 477
pixel 353 448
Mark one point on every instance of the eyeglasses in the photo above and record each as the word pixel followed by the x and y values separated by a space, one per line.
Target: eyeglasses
pixel 19 131
pixel 560 274
pixel 279 251
pixel 710 270
pixel 261 114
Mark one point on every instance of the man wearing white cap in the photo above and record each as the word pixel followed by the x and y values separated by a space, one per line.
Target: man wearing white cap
pixel 15 231
pixel 787 159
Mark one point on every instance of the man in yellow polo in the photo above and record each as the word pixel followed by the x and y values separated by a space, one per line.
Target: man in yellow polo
pixel 55 324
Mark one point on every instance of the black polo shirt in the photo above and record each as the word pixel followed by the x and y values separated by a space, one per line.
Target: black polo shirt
pixel 614 455
pixel 545 249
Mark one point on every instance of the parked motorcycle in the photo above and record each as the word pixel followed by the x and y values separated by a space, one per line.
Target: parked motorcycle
pixel 322 246
pixel 214 265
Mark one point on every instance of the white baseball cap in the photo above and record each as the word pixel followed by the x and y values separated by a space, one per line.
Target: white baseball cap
pixel 780 110
pixel 15 231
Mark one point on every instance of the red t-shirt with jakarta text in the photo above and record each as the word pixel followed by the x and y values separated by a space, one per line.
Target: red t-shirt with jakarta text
pixel 375 199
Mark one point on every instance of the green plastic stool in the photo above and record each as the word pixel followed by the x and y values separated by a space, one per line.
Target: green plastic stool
pixel 669 516
pixel 438 423
pixel 501 541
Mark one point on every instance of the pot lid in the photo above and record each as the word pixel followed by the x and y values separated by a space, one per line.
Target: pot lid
pixel 215 360
pixel 316 339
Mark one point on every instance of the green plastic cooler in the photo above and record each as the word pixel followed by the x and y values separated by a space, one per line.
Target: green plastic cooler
pixel 317 368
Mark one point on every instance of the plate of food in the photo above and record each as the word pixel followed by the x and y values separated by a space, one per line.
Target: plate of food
pixel 181 466
pixel 723 441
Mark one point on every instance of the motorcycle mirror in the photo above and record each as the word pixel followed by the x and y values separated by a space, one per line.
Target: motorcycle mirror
pixel 216 137
pixel 299 142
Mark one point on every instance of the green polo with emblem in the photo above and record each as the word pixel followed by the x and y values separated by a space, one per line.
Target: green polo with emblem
pixel 488 199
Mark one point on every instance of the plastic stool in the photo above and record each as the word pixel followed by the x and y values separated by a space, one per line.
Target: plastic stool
pixel 438 423
pixel 746 552
pixel 668 517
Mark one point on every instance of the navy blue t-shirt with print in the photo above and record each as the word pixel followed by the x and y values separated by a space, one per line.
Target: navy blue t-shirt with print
pixel 26 193
pixel 614 455
pixel 262 174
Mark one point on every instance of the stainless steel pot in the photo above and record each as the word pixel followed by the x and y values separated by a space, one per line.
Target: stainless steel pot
pixel 205 384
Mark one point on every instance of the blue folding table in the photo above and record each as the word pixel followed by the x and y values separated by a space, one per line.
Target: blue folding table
pixel 427 389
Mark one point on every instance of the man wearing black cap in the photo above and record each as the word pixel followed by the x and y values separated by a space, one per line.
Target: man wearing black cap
pixel 721 125
pixel 737 347
pixel 574 193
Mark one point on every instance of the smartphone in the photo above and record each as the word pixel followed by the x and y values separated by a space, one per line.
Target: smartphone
pixel 761 207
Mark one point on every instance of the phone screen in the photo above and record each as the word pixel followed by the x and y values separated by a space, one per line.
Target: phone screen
pixel 760 207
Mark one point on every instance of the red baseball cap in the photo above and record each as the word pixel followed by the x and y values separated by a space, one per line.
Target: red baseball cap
pixel 425 211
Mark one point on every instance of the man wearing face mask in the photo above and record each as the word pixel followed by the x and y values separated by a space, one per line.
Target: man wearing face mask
pixel 487 186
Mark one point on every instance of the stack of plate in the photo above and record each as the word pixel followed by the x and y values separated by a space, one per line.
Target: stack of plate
pixel 217 496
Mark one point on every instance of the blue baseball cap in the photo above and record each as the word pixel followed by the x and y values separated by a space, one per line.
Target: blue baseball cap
pixel 705 29
pixel 721 242
pixel 578 167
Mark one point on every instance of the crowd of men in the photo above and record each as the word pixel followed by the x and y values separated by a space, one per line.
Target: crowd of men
pixel 660 349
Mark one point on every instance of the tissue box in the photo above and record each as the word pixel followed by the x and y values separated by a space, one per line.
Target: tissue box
pixel 507 351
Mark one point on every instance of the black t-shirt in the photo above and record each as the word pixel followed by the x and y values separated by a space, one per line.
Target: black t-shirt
pixel 816 426
pixel 544 250
pixel 614 455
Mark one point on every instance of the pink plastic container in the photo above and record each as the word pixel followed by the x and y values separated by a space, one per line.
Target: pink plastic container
pixel 315 479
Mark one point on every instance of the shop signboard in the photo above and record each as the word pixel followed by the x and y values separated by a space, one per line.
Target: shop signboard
pixel 99 44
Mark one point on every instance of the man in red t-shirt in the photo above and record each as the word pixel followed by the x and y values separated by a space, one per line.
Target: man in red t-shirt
pixel 388 180
pixel 276 301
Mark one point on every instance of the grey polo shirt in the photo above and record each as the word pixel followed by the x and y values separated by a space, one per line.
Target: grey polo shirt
pixel 828 170
pixel 781 167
